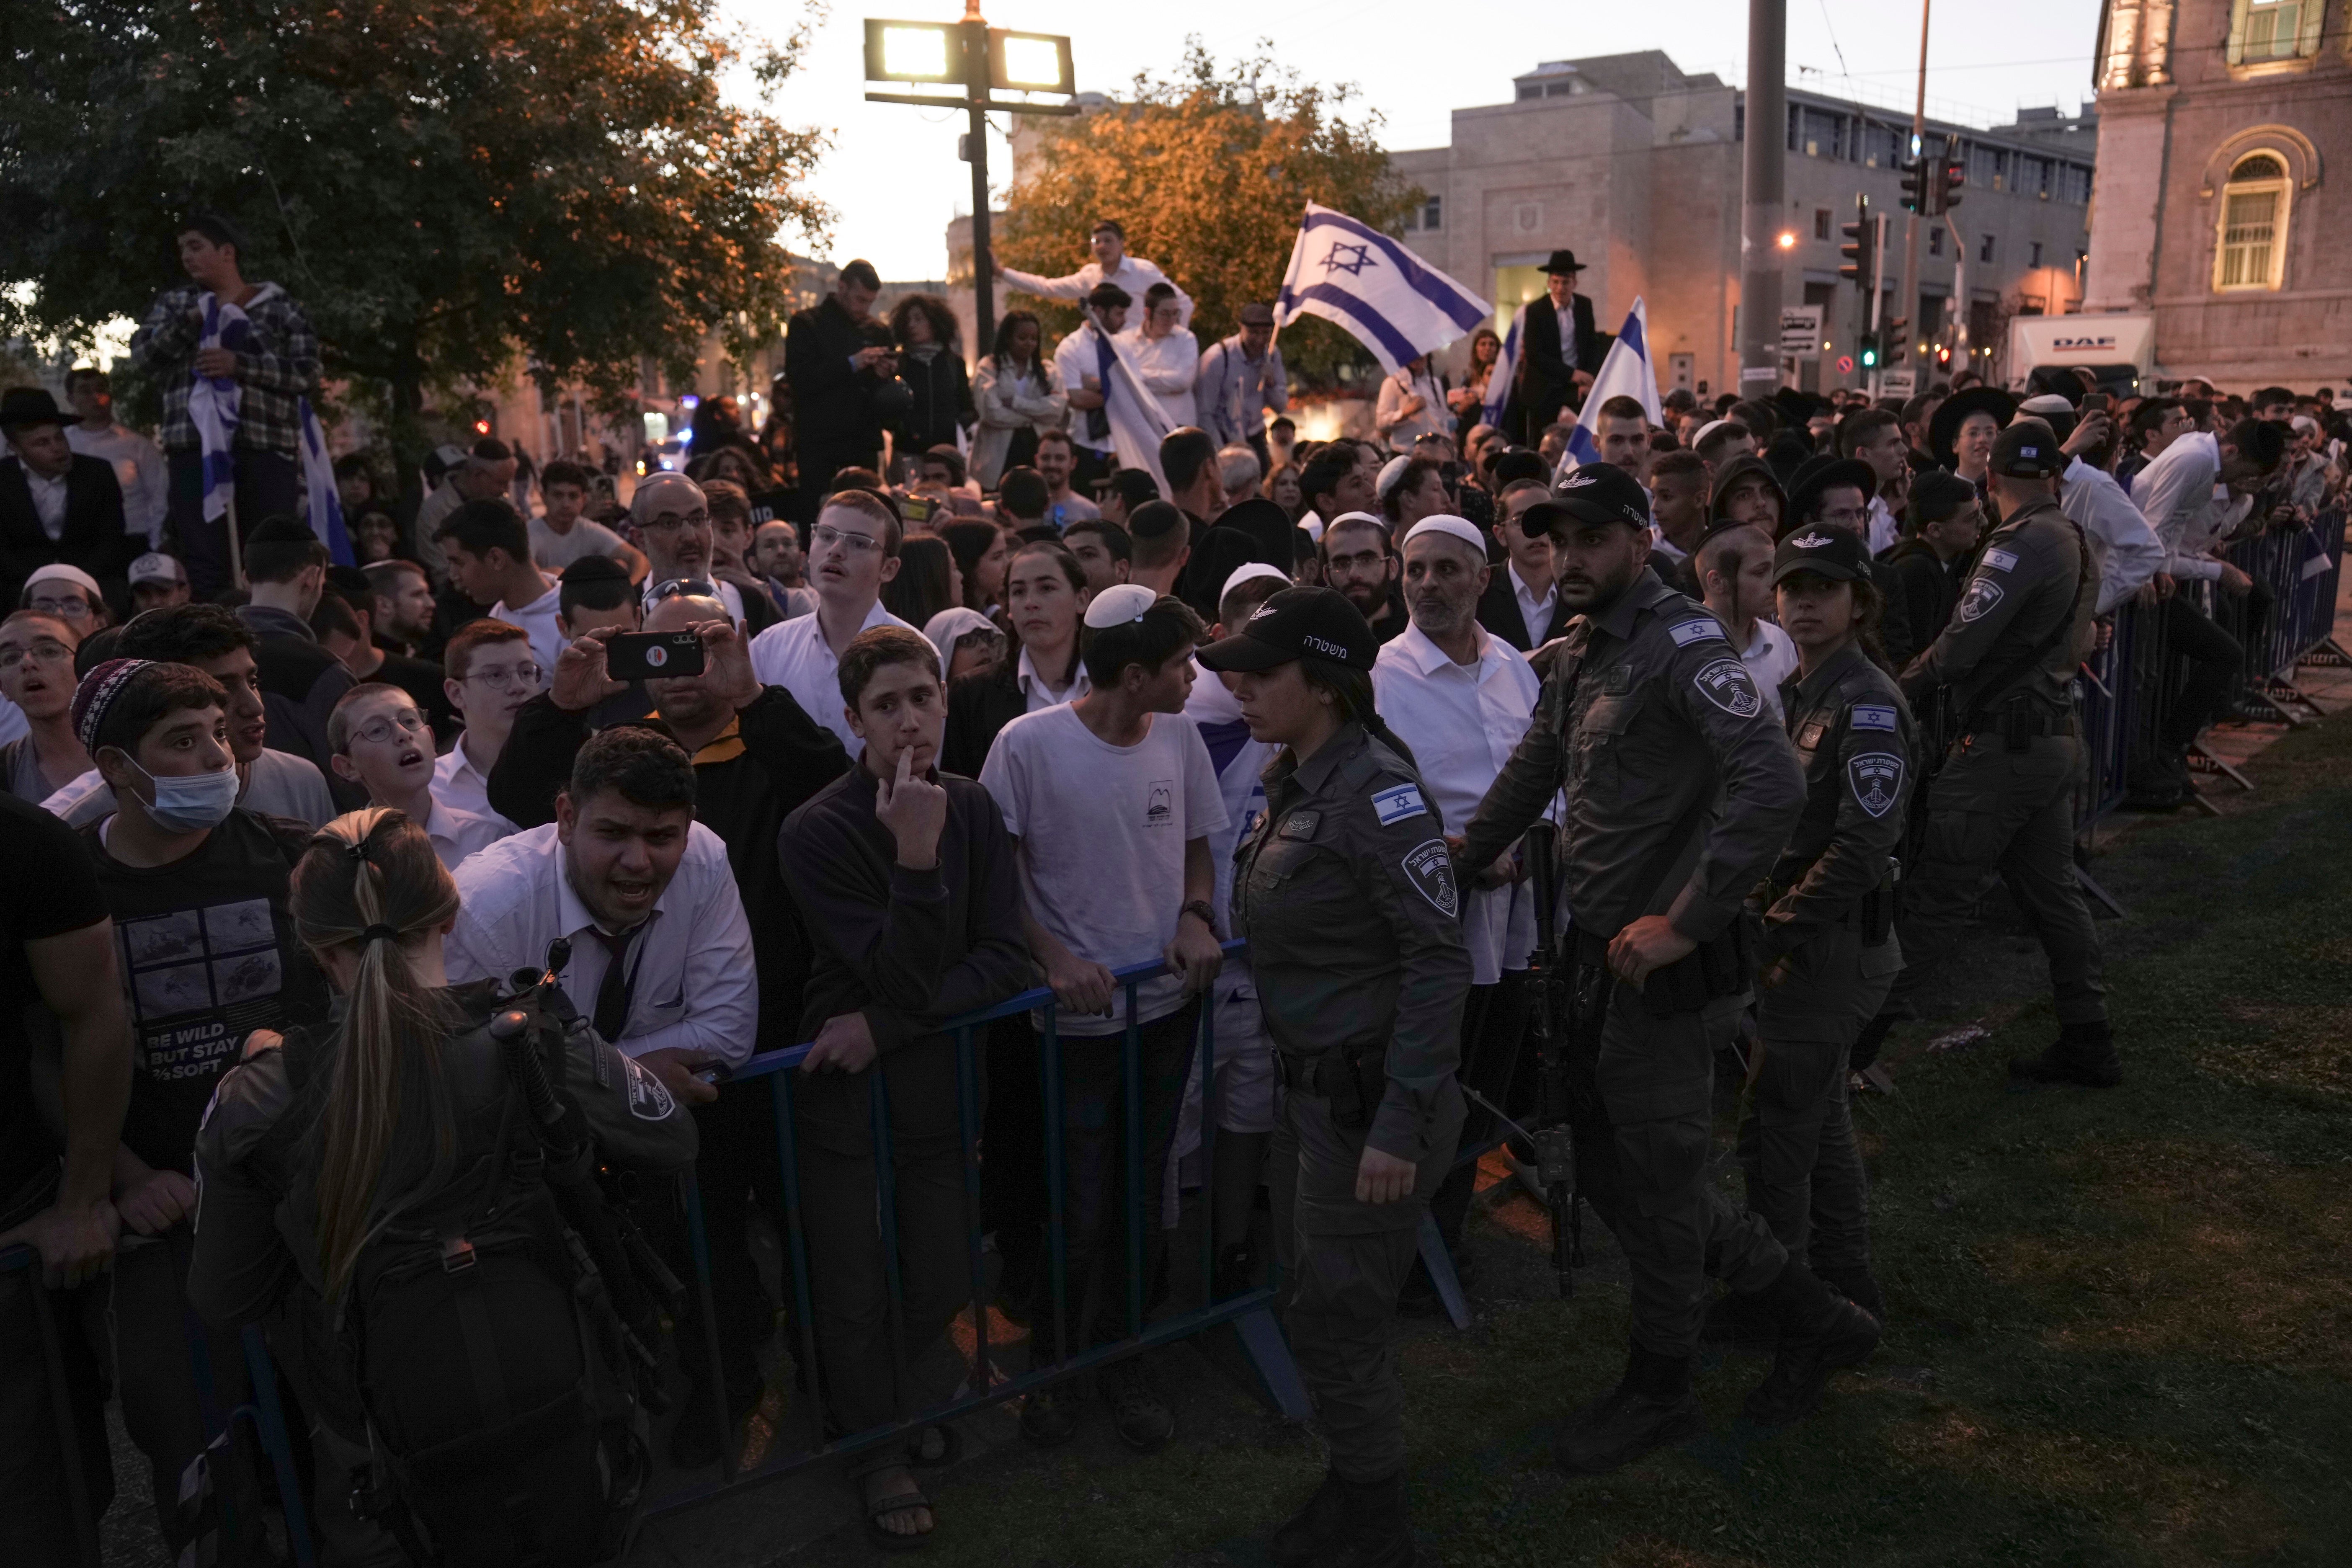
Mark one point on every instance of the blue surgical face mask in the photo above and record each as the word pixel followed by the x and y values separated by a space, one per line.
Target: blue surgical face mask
pixel 191 802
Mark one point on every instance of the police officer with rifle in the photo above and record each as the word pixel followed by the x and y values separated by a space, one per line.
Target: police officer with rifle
pixel 2000 801
pixel 1680 791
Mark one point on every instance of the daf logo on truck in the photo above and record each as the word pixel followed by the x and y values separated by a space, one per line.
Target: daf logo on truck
pixel 2119 349
pixel 2099 342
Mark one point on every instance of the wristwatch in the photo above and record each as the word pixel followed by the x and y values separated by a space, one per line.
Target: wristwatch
pixel 1201 908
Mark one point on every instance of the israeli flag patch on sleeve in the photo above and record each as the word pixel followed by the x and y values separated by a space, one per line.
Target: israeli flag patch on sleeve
pixel 1699 630
pixel 1874 719
pixel 1399 804
pixel 2000 560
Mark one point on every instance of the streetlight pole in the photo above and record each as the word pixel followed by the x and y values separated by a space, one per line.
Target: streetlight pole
pixel 1906 308
pixel 1764 170
pixel 984 260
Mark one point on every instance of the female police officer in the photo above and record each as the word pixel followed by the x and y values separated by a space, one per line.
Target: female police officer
pixel 1346 893
pixel 391 1145
pixel 1829 954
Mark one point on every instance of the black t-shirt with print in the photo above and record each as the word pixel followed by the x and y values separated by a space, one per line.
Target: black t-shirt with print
pixel 208 956
pixel 52 891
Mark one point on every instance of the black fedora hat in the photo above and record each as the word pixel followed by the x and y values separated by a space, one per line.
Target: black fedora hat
pixel 1824 473
pixel 22 406
pixel 1945 428
pixel 1563 261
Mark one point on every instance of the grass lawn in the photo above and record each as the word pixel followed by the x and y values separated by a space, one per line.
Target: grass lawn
pixel 2122 1320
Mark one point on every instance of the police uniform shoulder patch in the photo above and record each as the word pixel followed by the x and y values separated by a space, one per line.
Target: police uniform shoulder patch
pixel 1866 716
pixel 649 1098
pixel 1686 633
pixel 1401 804
pixel 1877 780
pixel 1979 601
pixel 1725 683
pixel 1299 824
pixel 1429 867
pixel 2000 560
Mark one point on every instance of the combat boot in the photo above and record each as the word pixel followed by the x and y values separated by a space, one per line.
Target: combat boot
pixel 1858 1286
pixel 1736 1322
pixel 1375 1530
pixel 1305 1534
pixel 1821 1332
pixel 2083 1054
pixel 1652 1407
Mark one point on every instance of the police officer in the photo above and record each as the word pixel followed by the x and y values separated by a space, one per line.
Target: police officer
pixel 1680 791
pixel 1348 897
pixel 1828 953
pixel 2001 674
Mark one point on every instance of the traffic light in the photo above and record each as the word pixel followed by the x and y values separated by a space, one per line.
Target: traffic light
pixel 1915 187
pixel 1869 355
pixel 1956 180
pixel 1858 252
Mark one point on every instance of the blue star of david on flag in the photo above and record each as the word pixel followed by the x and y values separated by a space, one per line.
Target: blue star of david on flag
pixel 1351 259
pixel 1368 283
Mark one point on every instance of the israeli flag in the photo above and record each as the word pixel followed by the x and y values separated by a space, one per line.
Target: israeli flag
pixel 214 404
pixel 1390 300
pixel 326 502
pixel 1626 372
pixel 1505 371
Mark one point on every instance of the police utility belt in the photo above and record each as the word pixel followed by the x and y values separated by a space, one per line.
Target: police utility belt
pixel 1723 965
pixel 1873 914
pixel 1353 1087
pixel 2019 721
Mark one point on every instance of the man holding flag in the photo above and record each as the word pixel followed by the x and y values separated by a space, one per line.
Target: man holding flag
pixel 1115 422
pixel 237 363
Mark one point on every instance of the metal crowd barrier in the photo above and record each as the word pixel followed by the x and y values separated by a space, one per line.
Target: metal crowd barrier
pixel 1249 1312
pixel 2302 567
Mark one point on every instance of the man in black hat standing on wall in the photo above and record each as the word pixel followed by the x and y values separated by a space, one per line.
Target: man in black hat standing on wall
pixel 1559 350
pixel 2003 801
pixel 1681 791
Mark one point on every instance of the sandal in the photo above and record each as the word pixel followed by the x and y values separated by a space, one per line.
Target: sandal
pixel 882 1539
pixel 950 1447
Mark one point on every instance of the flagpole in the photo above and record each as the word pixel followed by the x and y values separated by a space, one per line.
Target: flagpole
pixel 236 545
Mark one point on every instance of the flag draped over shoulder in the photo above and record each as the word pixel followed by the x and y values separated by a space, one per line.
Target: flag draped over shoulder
pixel 1136 423
pixel 215 406
pixel 1626 372
pixel 1390 300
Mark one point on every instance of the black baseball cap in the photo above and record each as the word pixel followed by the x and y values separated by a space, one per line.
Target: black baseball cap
pixel 2027 450
pixel 1592 492
pixel 1838 554
pixel 1294 623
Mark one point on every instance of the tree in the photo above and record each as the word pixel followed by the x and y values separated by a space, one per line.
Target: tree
pixel 444 185
pixel 1210 171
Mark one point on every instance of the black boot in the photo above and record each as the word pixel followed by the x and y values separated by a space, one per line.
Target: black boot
pixel 1376 1531
pixel 1821 1332
pixel 1236 1267
pixel 1736 1322
pixel 2083 1054
pixel 1305 1534
pixel 1652 1407
pixel 1859 1286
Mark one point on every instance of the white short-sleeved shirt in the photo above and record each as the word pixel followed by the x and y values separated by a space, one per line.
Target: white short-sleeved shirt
pixel 552 551
pixel 795 655
pixel 1102 831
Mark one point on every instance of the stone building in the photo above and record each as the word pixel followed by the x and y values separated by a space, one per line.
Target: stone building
pixel 2212 210
pixel 1635 166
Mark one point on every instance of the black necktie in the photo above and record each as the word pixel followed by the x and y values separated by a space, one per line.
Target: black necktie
pixel 613 994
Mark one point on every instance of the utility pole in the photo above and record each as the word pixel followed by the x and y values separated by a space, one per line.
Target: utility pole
pixel 1899 354
pixel 1765 200
pixel 974 28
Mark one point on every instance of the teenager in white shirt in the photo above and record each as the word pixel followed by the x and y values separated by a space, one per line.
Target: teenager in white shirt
pixel 1112 804
pixel 379 741
pixel 1112 264
pixel 489 550
pixel 853 551
pixel 489 672
pixel 1165 352
pixel 1735 570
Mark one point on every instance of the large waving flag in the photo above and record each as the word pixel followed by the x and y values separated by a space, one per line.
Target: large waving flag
pixel 1505 371
pixel 1390 300
pixel 1131 415
pixel 1626 372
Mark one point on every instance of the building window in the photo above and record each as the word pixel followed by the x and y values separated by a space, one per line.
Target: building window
pixel 1984 251
pixel 1433 215
pixel 1822 229
pixel 2252 249
pixel 2263 31
pixel 1935 240
pixel 2036 259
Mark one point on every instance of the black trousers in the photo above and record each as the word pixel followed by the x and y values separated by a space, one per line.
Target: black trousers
pixel 52 1422
pixel 2213 659
pixel 1494 1027
pixel 265 483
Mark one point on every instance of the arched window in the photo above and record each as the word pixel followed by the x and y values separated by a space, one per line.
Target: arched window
pixel 2251 252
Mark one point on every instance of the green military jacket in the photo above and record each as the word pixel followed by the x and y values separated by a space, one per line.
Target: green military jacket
pixel 1852 734
pixel 2032 576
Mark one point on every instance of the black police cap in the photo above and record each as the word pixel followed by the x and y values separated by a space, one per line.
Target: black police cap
pixel 1838 554
pixel 1297 623
pixel 1591 493
pixel 2027 450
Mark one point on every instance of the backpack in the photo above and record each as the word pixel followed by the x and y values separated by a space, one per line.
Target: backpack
pixel 504 1421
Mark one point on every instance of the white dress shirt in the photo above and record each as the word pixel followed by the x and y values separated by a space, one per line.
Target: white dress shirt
pixel 795 655
pixel 1770 658
pixel 2129 554
pixel 1134 275
pixel 1534 614
pixel 2174 495
pixel 461 783
pixel 538 619
pixel 1880 529
pixel 1169 366
pixel 458 834
pixel 1075 359
pixel 48 502
pixel 1463 721
pixel 694 987
pixel 139 468
pixel 1036 694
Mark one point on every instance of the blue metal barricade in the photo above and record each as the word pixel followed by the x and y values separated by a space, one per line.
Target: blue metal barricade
pixel 1249 1312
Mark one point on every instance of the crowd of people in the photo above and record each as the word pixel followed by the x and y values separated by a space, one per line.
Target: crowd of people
pixel 810 745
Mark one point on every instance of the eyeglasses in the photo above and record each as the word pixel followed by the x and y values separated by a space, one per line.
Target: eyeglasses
pixel 855 544
pixel 411 722
pixel 683 588
pixel 48 650
pixel 670 520
pixel 525 675
pixel 74 609
pixel 1849 515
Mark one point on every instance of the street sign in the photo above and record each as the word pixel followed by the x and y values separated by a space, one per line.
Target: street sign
pixel 1846 365
pixel 1898 383
pixel 1801 330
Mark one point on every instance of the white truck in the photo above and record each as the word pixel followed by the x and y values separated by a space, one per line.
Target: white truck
pixel 2120 349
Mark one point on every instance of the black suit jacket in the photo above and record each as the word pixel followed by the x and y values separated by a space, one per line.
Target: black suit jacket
pixel 1545 369
pixel 1498 612
pixel 832 405
pixel 93 539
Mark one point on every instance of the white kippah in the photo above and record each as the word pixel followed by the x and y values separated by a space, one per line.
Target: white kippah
pixel 1700 434
pixel 2047 403
pixel 1377 521
pixel 1119 601
pixel 1390 473
pixel 1250 572
pixel 1461 527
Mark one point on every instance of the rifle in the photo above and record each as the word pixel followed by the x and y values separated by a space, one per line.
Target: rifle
pixel 607 1248
pixel 1554 1142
